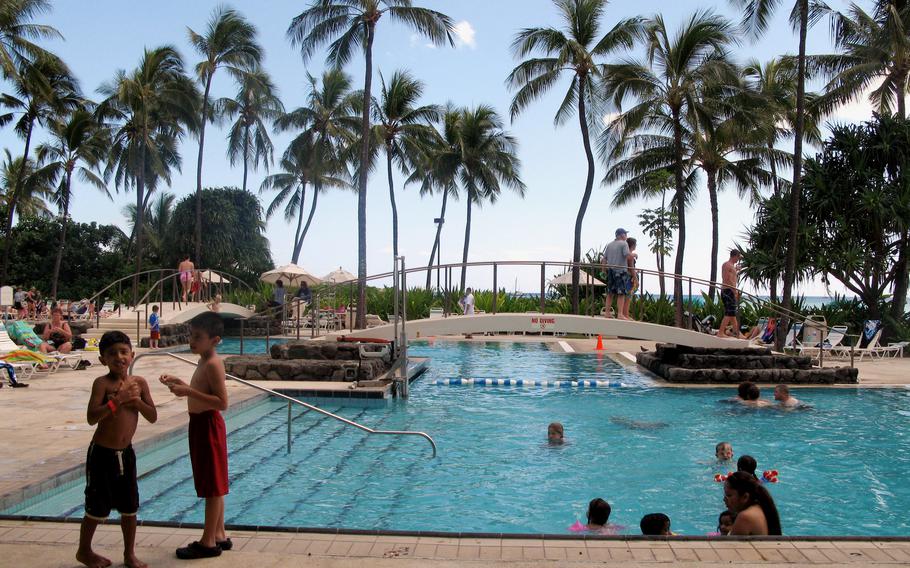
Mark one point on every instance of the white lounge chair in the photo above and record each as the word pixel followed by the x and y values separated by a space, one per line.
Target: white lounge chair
pixel 893 349
pixel 792 340
pixel 868 342
pixel 23 370
pixel 831 344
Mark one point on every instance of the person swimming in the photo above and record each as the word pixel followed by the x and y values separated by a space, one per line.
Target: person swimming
pixel 637 424
pixel 723 451
pixel 556 433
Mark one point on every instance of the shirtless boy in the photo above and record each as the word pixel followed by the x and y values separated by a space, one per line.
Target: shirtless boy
pixel 729 295
pixel 115 404
pixel 206 396
pixel 782 396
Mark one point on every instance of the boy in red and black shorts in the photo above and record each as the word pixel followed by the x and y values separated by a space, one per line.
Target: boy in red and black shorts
pixel 206 396
pixel 115 404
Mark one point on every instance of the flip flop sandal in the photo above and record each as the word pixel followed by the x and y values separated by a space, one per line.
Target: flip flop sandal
pixel 196 550
pixel 225 544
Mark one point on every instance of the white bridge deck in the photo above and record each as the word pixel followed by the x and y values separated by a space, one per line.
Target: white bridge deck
pixel 551 323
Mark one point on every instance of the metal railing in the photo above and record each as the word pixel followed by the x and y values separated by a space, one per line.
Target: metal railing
pixel 292 400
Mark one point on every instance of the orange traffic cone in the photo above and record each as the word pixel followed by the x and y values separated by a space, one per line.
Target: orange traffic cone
pixel 600 344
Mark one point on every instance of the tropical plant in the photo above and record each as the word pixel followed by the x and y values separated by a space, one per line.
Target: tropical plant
pixel 756 16
pixel 316 156
pixel 255 103
pixel 78 144
pixel 44 89
pixel 573 50
pixel 228 41
pixel 668 84
pixel 149 111
pixel 352 24
pixel 873 47
pixel 659 224
pixel 402 129
pixel 17 34
pixel 158 216
pixel 36 188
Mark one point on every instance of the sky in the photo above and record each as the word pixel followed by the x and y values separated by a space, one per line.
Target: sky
pixel 102 36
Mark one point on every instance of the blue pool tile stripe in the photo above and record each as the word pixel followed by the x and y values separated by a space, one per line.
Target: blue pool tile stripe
pixel 581 383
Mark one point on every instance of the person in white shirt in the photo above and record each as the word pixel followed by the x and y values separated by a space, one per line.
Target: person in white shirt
pixel 467 303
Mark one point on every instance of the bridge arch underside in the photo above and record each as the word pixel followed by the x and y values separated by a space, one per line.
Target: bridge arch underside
pixel 552 323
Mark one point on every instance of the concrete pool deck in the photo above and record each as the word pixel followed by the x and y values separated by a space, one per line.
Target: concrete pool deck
pixel 45 434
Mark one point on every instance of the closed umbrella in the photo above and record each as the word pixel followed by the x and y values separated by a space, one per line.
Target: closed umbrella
pixel 338 276
pixel 213 277
pixel 584 279
pixel 291 274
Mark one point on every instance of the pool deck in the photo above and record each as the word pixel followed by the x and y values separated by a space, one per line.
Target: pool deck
pixel 45 435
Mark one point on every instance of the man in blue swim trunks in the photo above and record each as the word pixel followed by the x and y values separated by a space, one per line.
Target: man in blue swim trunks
pixel 619 280
pixel 729 295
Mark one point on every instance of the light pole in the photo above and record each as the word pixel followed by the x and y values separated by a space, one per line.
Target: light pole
pixel 439 221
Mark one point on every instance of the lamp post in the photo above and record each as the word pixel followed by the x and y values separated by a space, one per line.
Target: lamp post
pixel 439 221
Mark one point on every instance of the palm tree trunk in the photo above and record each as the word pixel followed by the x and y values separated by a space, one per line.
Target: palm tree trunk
pixel 795 191
pixel 774 181
pixel 902 276
pixel 298 240
pixel 205 112
pixel 63 225
pixel 442 217
pixel 12 202
pixel 140 218
pixel 680 200
pixel 309 218
pixel 660 269
pixel 586 197
pixel 772 289
pixel 715 238
pixel 360 323
pixel 467 242
pixel 388 153
pixel 246 149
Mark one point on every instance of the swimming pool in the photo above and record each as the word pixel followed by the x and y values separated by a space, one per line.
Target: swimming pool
pixel 842 464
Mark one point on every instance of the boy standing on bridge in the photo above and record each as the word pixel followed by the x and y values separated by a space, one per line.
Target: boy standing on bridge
pixel 206 396
pixel 729 295
pixel 115 404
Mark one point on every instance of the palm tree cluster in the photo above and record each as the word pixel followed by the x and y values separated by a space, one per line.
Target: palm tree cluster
pixel 660 110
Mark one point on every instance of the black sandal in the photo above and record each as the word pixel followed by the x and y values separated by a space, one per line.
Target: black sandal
pixel 225 544
pixel 196 550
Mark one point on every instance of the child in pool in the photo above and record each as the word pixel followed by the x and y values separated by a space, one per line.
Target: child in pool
pixel 598 519
pixel 723 451
pixel 555 433
pixel 655 524
pixel 747 464
pixel 724 523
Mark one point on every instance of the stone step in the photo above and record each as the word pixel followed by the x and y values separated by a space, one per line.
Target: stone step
pixel 741 362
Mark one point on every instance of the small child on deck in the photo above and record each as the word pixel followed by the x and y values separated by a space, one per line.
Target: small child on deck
pixel 206 397
pixel 154 328
pixel 116 401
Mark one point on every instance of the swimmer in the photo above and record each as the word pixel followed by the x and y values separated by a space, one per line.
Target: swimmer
pixel 747 464
pixel 598 519
pixel 655 524
pixel 750 395
pixel 555 433
pixel 637 424
pixel 782 396
pixel 725 523
pixel 723 451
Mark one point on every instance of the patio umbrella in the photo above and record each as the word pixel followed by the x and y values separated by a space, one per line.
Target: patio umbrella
pixel 291 274
pixel 584 279
pixel 213 277
pixel 338 276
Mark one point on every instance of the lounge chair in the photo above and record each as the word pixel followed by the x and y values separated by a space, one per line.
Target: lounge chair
pixel 831 344
pixel 107 310
pixel 868 342
pixel 8 350
pixel 792 339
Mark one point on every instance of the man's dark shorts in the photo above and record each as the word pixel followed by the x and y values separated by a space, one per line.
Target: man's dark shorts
pixel 110 482
pixel 729 299
pixel 618 282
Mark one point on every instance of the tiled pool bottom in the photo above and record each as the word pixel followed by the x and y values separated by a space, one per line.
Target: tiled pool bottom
pixel 842 464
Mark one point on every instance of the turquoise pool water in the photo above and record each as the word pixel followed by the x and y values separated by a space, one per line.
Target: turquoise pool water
pixel 843 464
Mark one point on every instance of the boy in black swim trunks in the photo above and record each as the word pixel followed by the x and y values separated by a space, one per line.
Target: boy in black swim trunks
pixel 729 295
pixel 115 404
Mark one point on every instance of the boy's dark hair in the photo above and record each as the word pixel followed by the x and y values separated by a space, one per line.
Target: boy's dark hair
pixel 747 464
pixel 655 524
pixel 743 390
pixel 632 242
pixel 155 308
pixel 754 392
pixel 730 514
pixel 111 338
pixel 734 253
pixel 209 322
pixel 598 511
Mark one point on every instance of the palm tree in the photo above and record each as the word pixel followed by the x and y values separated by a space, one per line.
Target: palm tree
pixel 668 85
pixel 44 89
pixel 255 103
pixel 353 25
pixel 873 47
pixel 573 50
pixel 402 129
pixel 756 15
pixel 37 187
pixel 17 33
pixel 78 145
pixel 157 223
pixel 316 156
pixel 149 111
pixel 229 41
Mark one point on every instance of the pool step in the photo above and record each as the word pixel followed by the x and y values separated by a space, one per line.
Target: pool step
pixel 582 383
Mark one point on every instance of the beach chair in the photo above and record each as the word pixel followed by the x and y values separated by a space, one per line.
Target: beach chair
pixel 23 369
pixel 893 349
pixel 868 342
pixel 107 310
pixel 792 340
pixel 831 344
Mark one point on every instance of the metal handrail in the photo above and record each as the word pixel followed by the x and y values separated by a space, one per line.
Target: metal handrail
pixel 175 274
pixel 293 400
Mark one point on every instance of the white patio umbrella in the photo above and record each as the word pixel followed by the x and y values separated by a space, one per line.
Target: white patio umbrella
pixel 338 276
pixel 584 279
pixel 213 278
pixel 291 274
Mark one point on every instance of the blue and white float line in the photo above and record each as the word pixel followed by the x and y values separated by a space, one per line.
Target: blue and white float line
pixel 583 383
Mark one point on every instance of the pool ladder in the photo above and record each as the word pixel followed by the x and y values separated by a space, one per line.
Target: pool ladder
pixel 291 400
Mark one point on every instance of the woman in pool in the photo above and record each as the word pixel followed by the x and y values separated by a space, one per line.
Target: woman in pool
pixel 756 513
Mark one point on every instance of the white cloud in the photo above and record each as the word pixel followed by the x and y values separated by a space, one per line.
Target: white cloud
pixel 415 40
pixel 464 35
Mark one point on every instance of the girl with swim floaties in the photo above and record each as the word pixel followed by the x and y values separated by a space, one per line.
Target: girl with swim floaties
pixel 598 519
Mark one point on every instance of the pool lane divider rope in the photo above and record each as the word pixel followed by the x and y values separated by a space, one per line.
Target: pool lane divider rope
pixel 583 383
